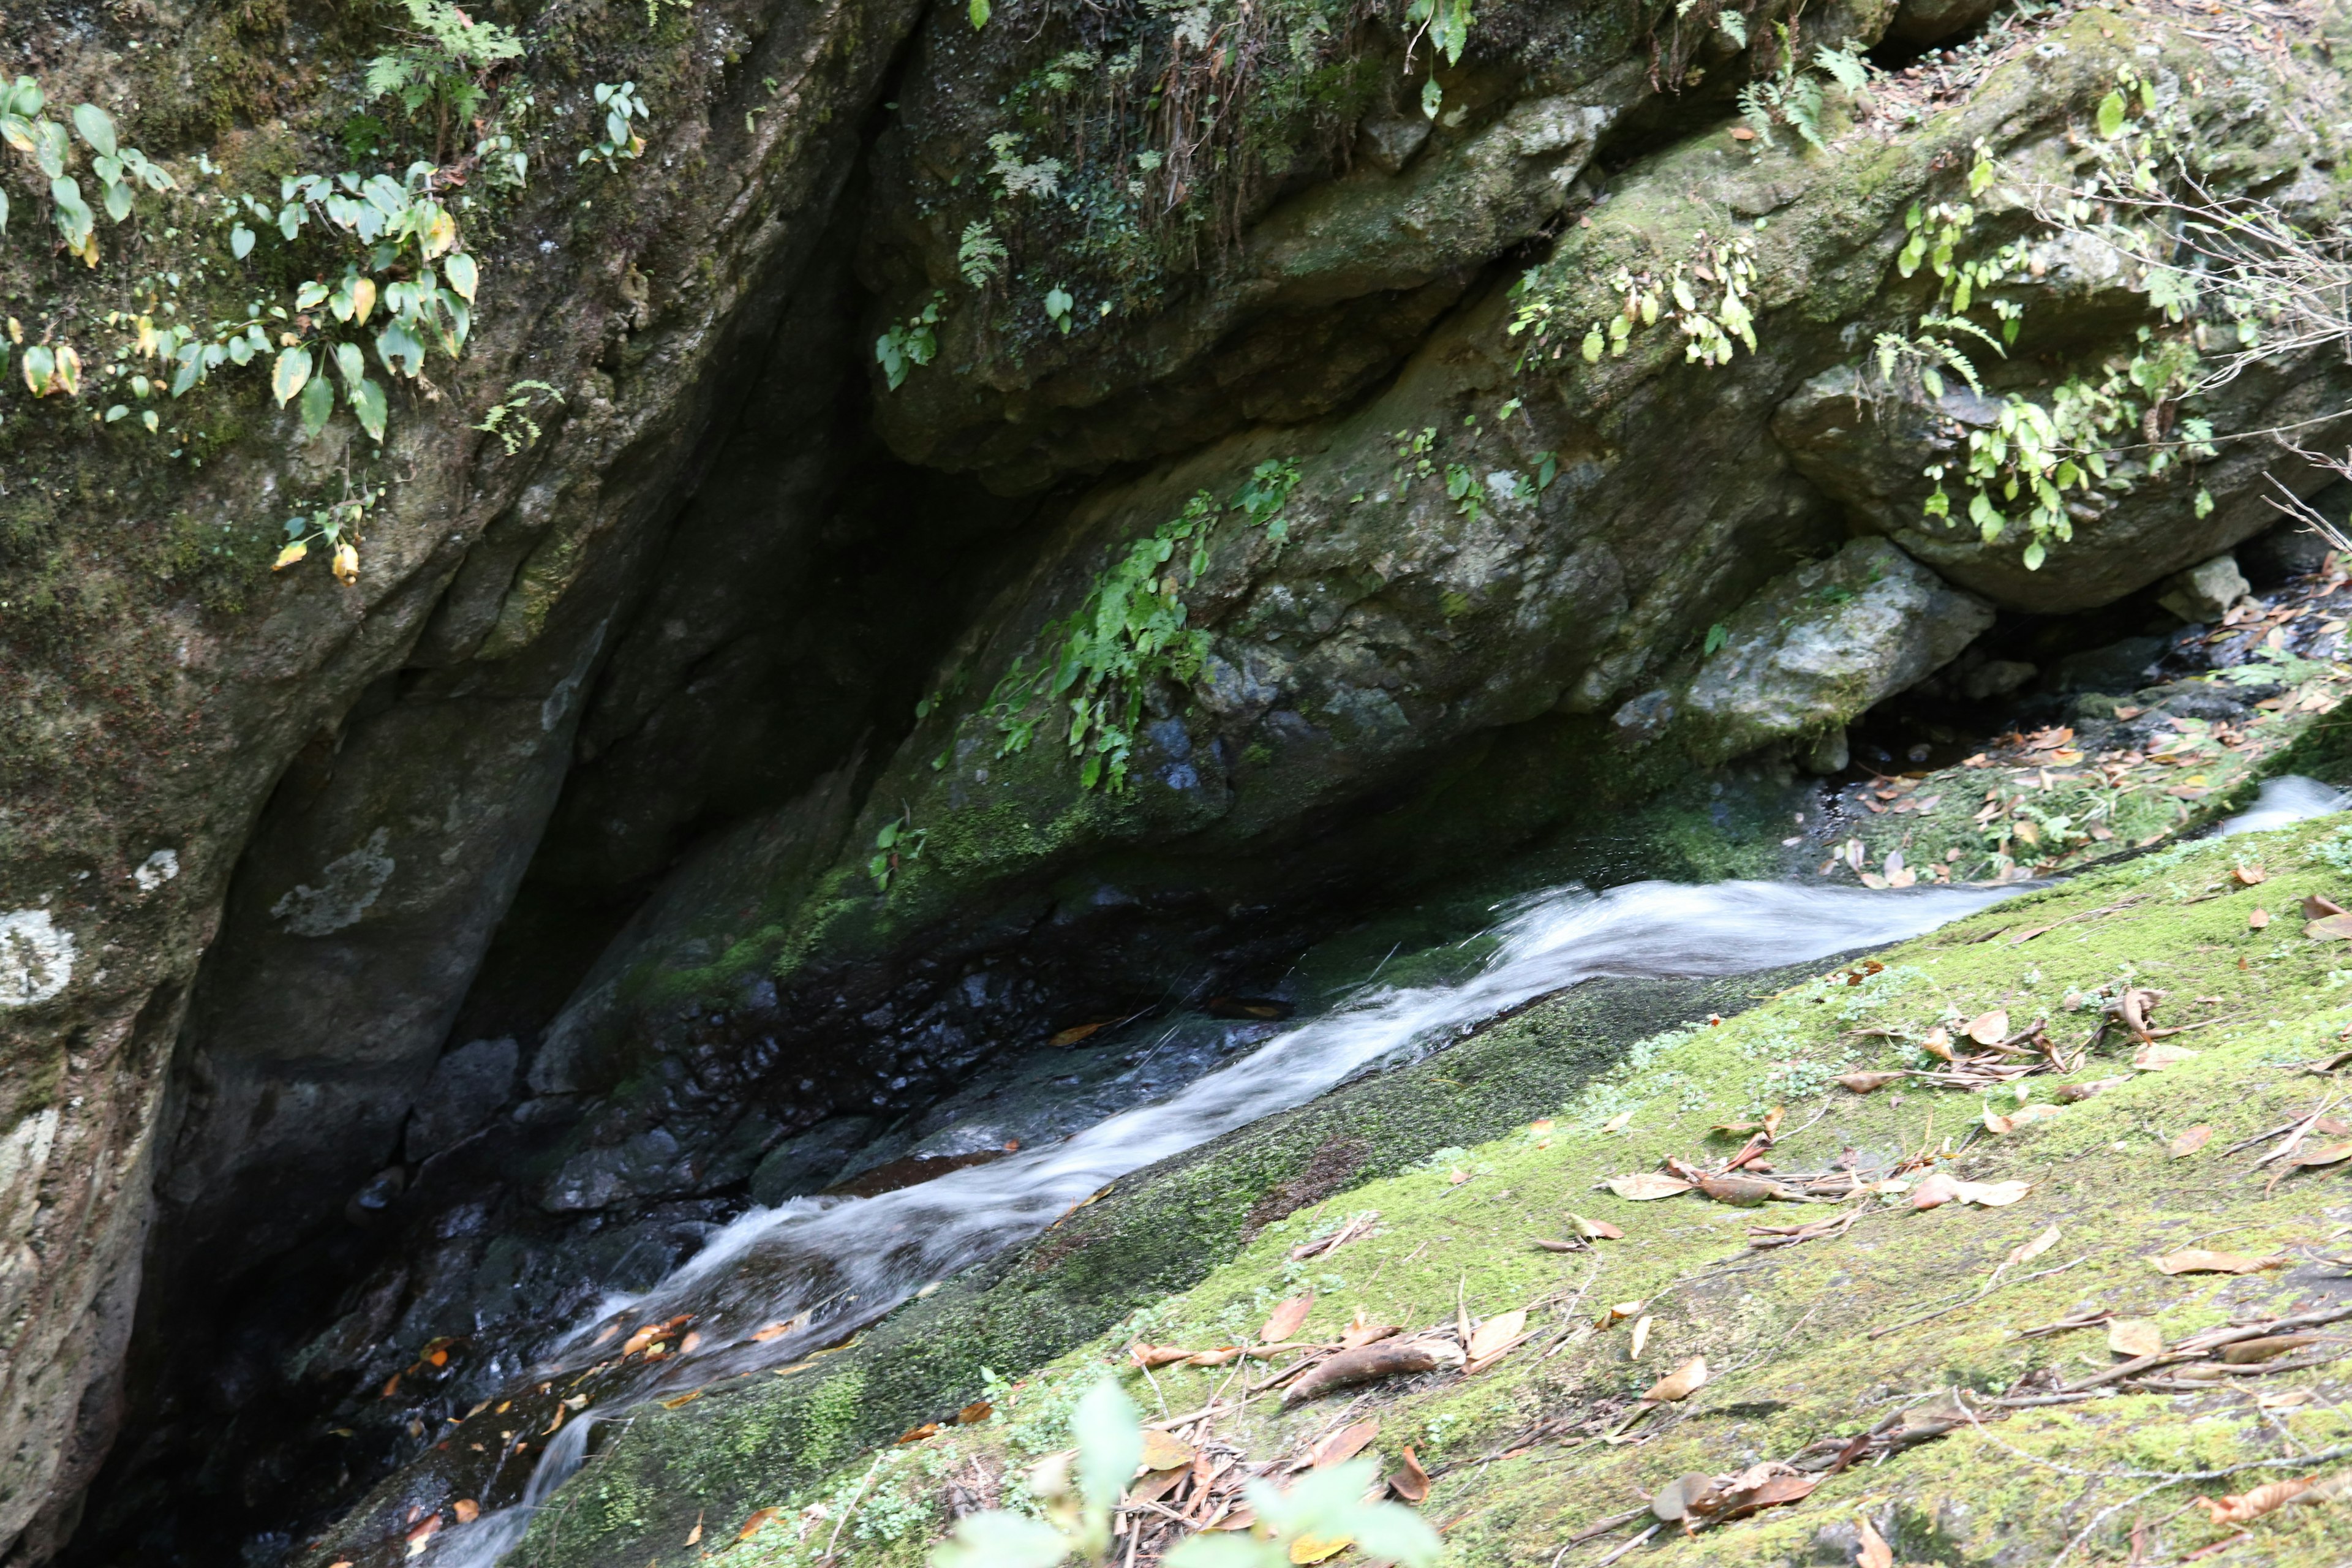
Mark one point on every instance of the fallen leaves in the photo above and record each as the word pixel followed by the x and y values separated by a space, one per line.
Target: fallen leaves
pixel 1163 1452
pixel 1870 1082
pixel 1647 1186
pixel 751 1525
pixel 1410 1482
pixel 2268 1498
pixel 1285 1319
pixel 1988 1028
pixel 1680 1384
pixel 2023 1115
pixel 1874 1553
pixel 2155 1055
pixel 1495 1334
pixel 2135 1337
pixel 1342 1446
pixel 1943 1188
pixel 467 1510
pixel 2189 1142
pixel 2197 1261
pixel 2329 928
pixel 2258 920
pixel 1594 1230
pixel 2027 1251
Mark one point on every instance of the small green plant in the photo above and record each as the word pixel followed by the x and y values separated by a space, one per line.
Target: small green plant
pixel 337 527
pixel 443 65
pixel 1324 1513
pixel 898 841
pixel 1129 632
pixel 509 419
pixel 913 342
pixel 621 105
pixel 119 169
pixel 980 255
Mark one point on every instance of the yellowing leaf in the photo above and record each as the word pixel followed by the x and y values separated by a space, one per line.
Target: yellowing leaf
pixel 346 564
pixel 363 299
pixel 289 375
pixel 440 233
pixel 1641 1336
pixel 1162 1452
pixel 462 275
pixel 288 556
pixel 1316 1548
pixel 751 1525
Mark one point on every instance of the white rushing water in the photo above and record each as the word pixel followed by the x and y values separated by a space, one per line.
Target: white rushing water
pixel 847 1261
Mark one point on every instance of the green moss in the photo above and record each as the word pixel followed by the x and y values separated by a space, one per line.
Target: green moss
pixel 1789 1333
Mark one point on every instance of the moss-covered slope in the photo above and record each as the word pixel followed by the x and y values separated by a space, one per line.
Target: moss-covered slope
pixel 1820 1340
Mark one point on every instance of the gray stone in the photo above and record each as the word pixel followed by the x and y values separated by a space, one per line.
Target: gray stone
pixel 1996 677
pixel 1918 24
pixel 467 1089
pixel 2207 590
pixel 1817 646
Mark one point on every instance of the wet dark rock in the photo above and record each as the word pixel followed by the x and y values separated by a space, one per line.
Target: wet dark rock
pixel 469 1088
pixel 810 1161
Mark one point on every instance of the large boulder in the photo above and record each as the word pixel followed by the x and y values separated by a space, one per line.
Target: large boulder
pixel 1810 651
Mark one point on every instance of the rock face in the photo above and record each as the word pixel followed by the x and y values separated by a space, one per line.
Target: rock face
pixel 685 798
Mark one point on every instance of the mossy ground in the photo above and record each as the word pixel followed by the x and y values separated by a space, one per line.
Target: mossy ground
pixel 1788 1332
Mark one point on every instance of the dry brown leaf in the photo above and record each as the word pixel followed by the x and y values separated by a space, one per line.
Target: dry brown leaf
pixel 688 1397
pixel 2258 920
pixel 2026 1252
pixel 1641 1336
pixel 1595 1229
pixel 1937 1042
pixel 1990 1194
pixel 972 1415
pixel 2155 1055
pixel 694 1536
pixel 1362 1331
pixel 2319 906
pixel 1285 1319
pixel 1935 1191
pixel 1874 1553
pixel 1988 1028
pixel 2022 1116
pixel 2249 876
pixel 2248 1353
pixel 1680 1384
pixel 752 1526
pixel 1156 1355
pixel 467 1510
pixel 1642 1186
pixel 1221 1356
pixel 2330 928
pixel 1074 1033
pixel 2189 1142
pixel 1870 1082
pixel 2327 1154
pixel 1410 1482
pixel 2135 1337
pixel 1344 1444
pixel 1495 1332
pixel 2197 1261
pixel 422 1532
pixel 929 1429
pixel 1679 1498
pixel 2252 1505
pixel 2075 1093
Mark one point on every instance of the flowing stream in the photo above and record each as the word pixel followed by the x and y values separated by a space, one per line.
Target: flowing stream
pixel 813 1270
